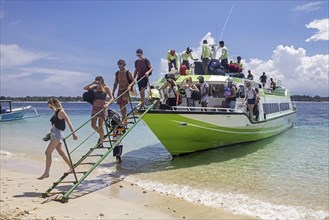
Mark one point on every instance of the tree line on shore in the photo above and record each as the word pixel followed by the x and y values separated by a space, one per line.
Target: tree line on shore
pixel 304 98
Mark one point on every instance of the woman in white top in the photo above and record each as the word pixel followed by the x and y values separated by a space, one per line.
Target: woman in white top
pixel 172 93
pixel 251 97
pixel 189 88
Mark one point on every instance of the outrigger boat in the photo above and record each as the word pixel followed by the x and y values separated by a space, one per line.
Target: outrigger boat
pixel 11 114
pixel 183 129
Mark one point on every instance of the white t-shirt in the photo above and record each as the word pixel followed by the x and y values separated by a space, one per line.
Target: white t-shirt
pixel 188 91
pixel 203 87
pixel 250 93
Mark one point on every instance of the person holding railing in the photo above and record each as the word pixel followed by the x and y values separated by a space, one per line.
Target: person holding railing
pixel 100 105
pixel 126 81
pixel 58 121
pixel 143 69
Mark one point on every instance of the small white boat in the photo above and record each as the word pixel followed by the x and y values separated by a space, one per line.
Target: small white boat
pixel 10 114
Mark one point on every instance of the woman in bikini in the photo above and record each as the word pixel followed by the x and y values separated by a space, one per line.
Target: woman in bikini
pixel 100 105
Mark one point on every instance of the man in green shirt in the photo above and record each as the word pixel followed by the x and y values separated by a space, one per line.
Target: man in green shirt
pixel 205 56
pixel 172 59
pixel 224 55
pixel 185 56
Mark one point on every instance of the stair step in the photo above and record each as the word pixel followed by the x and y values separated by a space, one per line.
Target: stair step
pixel 64 182
pixel 102 147
pixel 109 141
pixel 87 163
pixel 54 193
pixel 76 172
pixel 95 155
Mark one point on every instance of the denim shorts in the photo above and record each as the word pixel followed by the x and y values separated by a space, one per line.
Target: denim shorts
pixel 251 101
pixel 56 134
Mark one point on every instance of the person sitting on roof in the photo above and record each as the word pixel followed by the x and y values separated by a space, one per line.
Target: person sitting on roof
pixel 250 76
pixel 172 59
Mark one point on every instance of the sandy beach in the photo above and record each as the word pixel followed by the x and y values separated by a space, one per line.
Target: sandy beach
pixel 116 199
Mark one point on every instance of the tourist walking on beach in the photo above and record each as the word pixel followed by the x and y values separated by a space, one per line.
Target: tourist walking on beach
pixel 58 121
pixel 143 69
pixel 99 105
pixel 126 81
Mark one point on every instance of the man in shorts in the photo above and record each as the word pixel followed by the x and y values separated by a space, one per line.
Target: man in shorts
pixel 124 78
pixel 143 69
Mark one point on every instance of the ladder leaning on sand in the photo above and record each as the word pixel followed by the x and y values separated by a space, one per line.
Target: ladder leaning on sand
pixel 76 176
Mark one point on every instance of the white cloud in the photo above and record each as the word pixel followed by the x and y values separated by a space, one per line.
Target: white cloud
pixel 312 6
pixel 323 29
pixel 36 81
pixel 298 72
pixel 12 55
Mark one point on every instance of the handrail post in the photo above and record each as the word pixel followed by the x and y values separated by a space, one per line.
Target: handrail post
pixel 70 159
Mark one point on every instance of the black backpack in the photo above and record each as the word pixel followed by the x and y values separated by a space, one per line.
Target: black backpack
pixel 89 96
pixel 113 117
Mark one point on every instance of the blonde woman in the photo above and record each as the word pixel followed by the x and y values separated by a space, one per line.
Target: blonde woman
pixel 251 99
pixel 56 134
pixel 189 88
pixel 99 104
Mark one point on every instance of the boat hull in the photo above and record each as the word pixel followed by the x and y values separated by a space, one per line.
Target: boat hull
pixel 187 132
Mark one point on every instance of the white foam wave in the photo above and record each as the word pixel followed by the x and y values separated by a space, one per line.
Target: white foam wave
pixel 7 153
pixel 236 203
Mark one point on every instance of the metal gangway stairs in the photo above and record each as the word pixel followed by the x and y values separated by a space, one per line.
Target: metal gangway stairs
pixel 72 179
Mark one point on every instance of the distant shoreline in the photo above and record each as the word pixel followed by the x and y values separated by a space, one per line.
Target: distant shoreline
pixel 78 99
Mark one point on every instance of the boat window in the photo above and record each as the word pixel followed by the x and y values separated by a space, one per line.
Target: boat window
pixel 218 90
pixel 284 106
pixel 241 92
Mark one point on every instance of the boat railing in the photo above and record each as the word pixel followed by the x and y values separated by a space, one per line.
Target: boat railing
pixel 202 109
pixel 106 131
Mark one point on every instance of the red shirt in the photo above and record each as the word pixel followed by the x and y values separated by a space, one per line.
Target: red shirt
pixel 142 67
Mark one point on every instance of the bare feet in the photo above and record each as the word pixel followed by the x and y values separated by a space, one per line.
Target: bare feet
pixel 43 176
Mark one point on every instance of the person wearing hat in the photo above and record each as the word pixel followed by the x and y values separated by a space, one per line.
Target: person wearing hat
pixel 184 57
pixel 172 59
pixel 204 89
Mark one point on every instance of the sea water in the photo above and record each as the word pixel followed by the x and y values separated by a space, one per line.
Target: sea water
pixel 283 177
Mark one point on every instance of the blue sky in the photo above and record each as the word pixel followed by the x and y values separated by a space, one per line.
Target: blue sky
pixel 57 47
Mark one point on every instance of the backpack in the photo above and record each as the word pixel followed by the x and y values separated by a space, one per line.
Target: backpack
pixel 113 117
pixel 89 96
pixel 180 99
pixel 127 75
pixel 147 62
pixel 196 95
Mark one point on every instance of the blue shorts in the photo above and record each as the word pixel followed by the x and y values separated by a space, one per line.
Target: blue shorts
pixel 56 134
pixel 142 83
pixel 251 101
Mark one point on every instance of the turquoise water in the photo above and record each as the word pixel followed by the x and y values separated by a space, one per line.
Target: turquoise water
pixel 284 177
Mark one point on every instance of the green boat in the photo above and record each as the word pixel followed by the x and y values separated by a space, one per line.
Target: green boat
pixel 182 129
